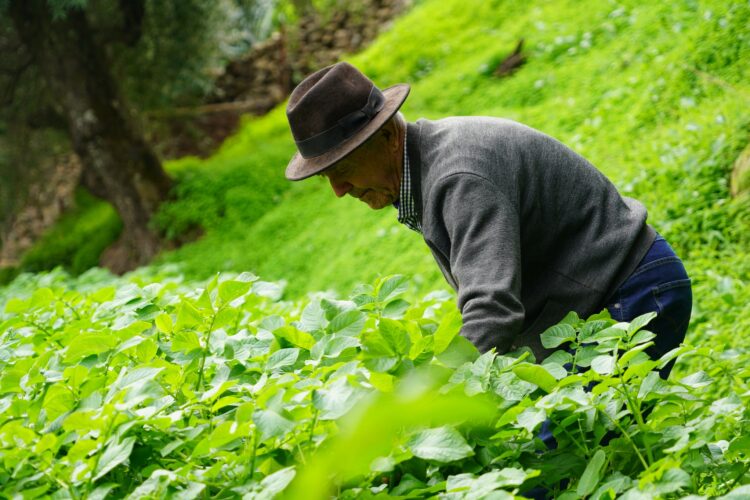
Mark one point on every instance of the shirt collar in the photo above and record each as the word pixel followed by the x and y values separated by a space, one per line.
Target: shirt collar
pixel 407 213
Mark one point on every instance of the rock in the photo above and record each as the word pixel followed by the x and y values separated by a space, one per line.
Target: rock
pixel 740 181
pixel 47 198
pixel 268 72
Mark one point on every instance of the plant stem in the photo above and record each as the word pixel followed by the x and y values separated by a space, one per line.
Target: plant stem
pixel 205 351
pixel 312 427
pixel 98 456
pixel 583 437
pixel 72 309
pixel 634 408
pixel 575 358
pixel 580 446
pixel 301 454
pixel 630 440
pixel 46 332
pixel 739 476
pixel 252 457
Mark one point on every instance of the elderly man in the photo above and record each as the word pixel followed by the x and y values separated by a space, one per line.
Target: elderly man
pixel 522 227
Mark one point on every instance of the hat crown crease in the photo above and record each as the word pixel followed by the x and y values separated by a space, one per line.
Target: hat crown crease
pixel 326 97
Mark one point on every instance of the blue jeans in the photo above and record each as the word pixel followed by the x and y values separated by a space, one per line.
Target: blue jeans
pixel 660 284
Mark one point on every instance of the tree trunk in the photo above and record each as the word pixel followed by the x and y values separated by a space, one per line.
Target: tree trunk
pixel 115 157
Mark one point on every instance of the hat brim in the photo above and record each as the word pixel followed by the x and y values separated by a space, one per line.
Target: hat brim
pixel 300 168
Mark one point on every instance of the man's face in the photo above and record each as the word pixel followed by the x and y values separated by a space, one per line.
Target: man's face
pixel 372 173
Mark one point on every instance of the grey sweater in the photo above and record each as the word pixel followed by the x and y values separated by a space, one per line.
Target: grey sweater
pixel 524 228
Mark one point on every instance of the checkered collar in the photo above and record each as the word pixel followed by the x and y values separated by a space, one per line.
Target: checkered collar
pixel 407 213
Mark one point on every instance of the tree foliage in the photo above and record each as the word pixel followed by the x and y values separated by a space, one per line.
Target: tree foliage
pixel 90 69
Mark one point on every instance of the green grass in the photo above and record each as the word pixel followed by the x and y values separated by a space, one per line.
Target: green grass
pixel 655 94
pixel 235 186
pixel 77 239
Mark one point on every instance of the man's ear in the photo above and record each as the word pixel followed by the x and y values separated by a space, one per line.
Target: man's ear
pixel 390 133
pixel 388 130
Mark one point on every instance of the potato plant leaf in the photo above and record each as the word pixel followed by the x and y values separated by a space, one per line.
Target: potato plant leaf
pixel 336 399
pixel 446 331
pixel 442 444
pixel 296 337
pixel 459 351
pixel 556 335
pixel 530 418
pixel 391 287
pixel 88 344
pixel 537 375
pixel 395 336
pixel 115 453
pixel 640 322
pixel 186 341
pixel 592 474
pixel 348 323
pixel 313 317
pixel 188 316
pixel 603 365
pixel 272 424
pixel 282 359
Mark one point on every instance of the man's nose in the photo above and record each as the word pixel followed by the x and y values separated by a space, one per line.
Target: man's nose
pixel 340 187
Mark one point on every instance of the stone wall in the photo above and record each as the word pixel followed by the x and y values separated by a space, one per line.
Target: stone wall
pixel 264 77
pixel 49 195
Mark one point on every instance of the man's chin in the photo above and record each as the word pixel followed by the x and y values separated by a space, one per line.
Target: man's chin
pixel 377 203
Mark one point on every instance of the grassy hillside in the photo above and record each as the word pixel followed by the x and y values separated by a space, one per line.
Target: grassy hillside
pixel 160 384
pixel 653 94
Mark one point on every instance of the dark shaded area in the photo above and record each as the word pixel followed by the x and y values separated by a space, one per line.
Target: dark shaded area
pixel 118 164
pixel 121 85
pixel 512 62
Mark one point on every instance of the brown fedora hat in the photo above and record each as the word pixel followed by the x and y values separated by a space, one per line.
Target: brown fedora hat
pixel 332 112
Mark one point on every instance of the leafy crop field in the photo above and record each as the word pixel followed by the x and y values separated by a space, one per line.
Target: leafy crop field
pixel 127 388
pixel 170 382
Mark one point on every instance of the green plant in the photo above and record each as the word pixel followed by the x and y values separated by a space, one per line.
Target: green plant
pixel 77 239
pixel 116 387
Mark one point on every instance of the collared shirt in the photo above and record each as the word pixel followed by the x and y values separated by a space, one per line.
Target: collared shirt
pixel 407 213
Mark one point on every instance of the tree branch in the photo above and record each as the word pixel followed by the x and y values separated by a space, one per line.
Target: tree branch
pixel 250 106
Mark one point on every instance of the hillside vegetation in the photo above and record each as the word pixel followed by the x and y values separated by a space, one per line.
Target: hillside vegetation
pixel 653 94
pixel 139 389
pixel 174 381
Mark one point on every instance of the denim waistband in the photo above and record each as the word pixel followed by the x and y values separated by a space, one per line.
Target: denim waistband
pixel 659 249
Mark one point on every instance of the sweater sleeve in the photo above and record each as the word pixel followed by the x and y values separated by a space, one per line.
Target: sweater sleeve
pixel 479 228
